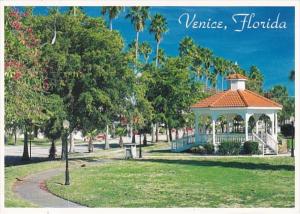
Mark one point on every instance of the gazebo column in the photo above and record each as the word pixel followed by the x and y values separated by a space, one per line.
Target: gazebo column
pixel 197 136
pixel 214 119
pixel 276 125
pixel 272 118
pixel 256 118
pixel 246 119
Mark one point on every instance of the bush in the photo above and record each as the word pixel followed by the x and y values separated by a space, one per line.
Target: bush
pixel 287 130
pixel 250 147
pixel 229 148
pixel 209 148
pixel 198 149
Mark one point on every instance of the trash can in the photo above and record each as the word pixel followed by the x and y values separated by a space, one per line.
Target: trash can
pixel 130 151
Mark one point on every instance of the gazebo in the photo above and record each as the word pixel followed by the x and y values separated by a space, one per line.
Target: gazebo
pixel 235 102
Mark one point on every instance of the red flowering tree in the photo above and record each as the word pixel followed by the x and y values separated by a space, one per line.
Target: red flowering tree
pixel 25 85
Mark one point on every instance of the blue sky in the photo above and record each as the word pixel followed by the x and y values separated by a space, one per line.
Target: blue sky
pixel 271 50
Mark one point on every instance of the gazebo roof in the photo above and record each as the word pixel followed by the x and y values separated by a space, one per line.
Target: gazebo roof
pixel 236 98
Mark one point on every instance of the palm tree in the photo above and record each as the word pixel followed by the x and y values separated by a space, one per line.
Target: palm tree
pixel 113 13
pixel 220 67
pixel 158 27
pixel 186 46
pixel 197 63
pixel 145 50
pixel 138 17
pixel 292 75
pixel 256 79
pixel 207 61
pixel 161 56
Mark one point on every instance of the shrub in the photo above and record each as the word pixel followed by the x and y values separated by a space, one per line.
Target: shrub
pixel 250 147
pixel 287 130
pixel 198 149
pixel 209 148
pixel 229 148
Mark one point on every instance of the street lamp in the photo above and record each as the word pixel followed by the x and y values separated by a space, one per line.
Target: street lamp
pixel 293 135
pixel 66 125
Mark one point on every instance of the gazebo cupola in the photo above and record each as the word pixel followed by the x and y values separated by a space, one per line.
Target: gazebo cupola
pixel 236 82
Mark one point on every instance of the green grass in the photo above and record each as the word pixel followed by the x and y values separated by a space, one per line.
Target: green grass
pixel 13 172
pixel 182 182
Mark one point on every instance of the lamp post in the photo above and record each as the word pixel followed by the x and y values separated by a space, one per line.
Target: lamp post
pixel 66 125
pixel 293 135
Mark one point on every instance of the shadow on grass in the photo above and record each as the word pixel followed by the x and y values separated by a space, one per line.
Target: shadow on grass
pixel 161 151
pixel 230 164
pixel 17 160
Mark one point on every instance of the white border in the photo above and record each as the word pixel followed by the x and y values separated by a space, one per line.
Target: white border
pixel 150 3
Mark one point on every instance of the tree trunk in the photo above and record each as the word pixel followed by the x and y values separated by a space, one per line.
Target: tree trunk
pixel 156 132
pixel 156 60
pixel 177 134
pixel 15 136
pixel 72 143
pixel 133 138
pixel 170 135
pixel 52 152
pixel 222 83
pixel 121 141
pixel 25 149
pixel 145 139
pixel 136 49
pixel 152 133
pixel 113 130
pixel 63 146
pixel 91 146
pixel 167 133
pixel 110 24
pixel 106 139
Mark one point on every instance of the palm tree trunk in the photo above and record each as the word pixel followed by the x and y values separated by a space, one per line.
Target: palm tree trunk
pixel 222 83
pixel 136 49
pixel 216 86
pixel 25 148
pixel 157 48
pixel 110 25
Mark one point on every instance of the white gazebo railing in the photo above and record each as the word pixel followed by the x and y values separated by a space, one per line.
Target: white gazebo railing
pixel 183 143
pixel 271 142
pixel 265 141
pixel 255 137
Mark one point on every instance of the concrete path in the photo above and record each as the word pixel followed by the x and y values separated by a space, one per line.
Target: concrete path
pixel 33 189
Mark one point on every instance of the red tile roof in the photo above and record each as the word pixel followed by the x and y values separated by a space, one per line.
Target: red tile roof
pixel 236 98
pixel 236 76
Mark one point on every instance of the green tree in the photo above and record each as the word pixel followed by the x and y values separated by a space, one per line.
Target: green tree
pixel 25 84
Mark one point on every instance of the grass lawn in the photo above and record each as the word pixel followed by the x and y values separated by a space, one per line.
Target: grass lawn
pixel 182 182
pixel 14 172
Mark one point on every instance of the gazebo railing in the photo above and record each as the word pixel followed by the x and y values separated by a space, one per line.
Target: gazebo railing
pixel 183 143
pixel 272 143
pixel 232 137
pixel 255 137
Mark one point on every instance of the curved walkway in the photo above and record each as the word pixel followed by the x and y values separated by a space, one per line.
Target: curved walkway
pixel 33 189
